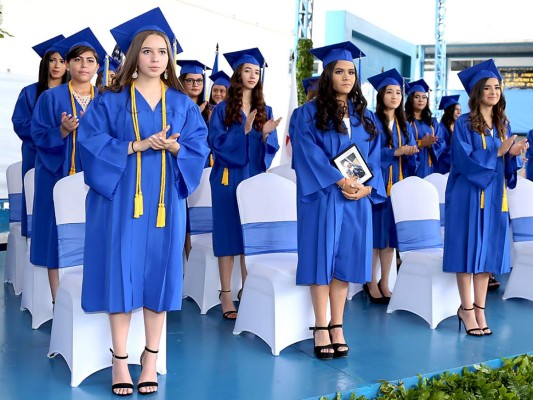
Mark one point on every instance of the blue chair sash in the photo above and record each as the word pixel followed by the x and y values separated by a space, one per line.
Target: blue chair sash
pixel 441 208
pixel 201 220
pixel 270 237
pixel 522 229
pixel 421 234
pixel 15 207
pixel 71 238
pixel 29 218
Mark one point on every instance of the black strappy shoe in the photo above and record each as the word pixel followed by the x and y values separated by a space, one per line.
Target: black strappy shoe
pixel 122 385
pixel 336 346
pixel 319 353
pixel 232 314
pixel 141 385
pixel 486 330
pixel 469 331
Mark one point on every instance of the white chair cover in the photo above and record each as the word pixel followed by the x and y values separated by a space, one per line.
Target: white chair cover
pixel 520 283
pixel 272 306
pixel 439 181
pixel 16 243
pixel 285 171
pixel 421 287
pixel 201 280
pixel 84 339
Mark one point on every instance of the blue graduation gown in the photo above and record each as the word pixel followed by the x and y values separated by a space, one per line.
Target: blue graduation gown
pixel 384 227
pixel 22 126
pixel 428 155
pixel 334 234
pixel 529 156
pixel 129 262
pixel 244 156
pixel 445 159
pixel 477 239
pixel 52 163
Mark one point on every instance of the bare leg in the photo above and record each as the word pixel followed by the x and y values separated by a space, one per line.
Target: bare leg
pixel 53 278
pixel 244 272
pixel 319 295
pixel 385 257
pixel 480 298
pixel 187 246
pixel 225 268
pixel 373 285
pixel 465 292
pixel 337 296
pixel 153 327
pixel 120 325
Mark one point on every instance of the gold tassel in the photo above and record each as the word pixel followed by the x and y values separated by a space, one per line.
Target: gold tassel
pixel 161 216
pixel 225 177
pixel 72 171
pixel 482 199
pixel 505 205
pixel 138 205
pixel 211 160
pixel 389 183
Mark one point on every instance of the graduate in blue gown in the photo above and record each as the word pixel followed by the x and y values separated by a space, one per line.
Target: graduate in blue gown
pixel 243 139
pixel 529 157
pixel 334 212
pixel 192 76
pixel 484 165
pixel 452 111
pixel 219 88
pixel 399 159
pixel 52 73
pixel 425 128
pixel 143 146
pixel 54 131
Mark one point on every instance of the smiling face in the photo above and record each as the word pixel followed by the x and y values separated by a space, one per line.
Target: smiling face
pixel 153 57
pixel 343 77
pixel 491 92
pixel 218 93
pixel 83 67
pixel 392 98
pixel 249 75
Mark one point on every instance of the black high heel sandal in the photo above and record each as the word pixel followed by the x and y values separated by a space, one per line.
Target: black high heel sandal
pixel 336 346
pixel 381 291
pixel 375 300
pixel 469 331
pixel 226 315
pixel 147 383
pixel 122 385
pixel 318 350
pixel 486 330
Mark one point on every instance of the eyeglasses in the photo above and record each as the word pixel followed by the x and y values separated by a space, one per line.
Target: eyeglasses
pixel 191 82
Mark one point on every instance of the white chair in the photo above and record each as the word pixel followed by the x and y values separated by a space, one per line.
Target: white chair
pixel 439 181
pixel 201 280
pixel 36 297
pixel 84 339
pixel 272 306
pixel 285 171
pixel 520 283
pixel 421 287
pixel 16 243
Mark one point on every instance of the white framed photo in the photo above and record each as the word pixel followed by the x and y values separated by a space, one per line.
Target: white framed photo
pixel 351 164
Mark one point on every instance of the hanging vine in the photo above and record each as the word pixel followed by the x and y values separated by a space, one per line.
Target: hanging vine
pixel 304 66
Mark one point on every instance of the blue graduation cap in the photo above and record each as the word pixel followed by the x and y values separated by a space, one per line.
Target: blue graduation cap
pixel 153 20
pixel 192 67
pixel 250 56
pixel 335 52
pixel 447 101
pixel 470 76
pixel 390 77
pixel 85 37
pixel 220 78
pixel 310 83
pixel 417 86
pixel 113 65
pixel 48 45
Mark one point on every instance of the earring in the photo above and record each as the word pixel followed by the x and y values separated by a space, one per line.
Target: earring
pixel 165 75
pixel 135 75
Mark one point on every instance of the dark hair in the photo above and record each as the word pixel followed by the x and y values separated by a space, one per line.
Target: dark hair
pixel 399 115
pixel 44 73
pixel 498 111
pixel 211 101
pixel 234 101
pixel 425 114
pixel 448 117
pixel 331 111
pixel 200 99
pixel 76 51
pixel 124 76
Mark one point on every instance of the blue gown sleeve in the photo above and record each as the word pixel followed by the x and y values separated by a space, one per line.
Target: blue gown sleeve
pixel 529 156
pixel 46 133
pixel 313 167
pixel 512 165
pixel 229 145
pixel 439 148
pixel 478 166
pixel 413 161
pixel 378 194
pixel 22 114
pixel 103 156
pixel 271 144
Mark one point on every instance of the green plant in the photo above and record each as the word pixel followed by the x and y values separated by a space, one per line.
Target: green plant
pixel 3 32
pixel 304 66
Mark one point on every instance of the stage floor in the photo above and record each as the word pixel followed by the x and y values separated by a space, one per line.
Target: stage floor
pixel 206 361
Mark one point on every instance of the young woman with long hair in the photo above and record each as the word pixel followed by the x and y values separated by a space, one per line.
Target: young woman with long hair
pixel 52 73
pixel 484 165
pixel 452 111
pixel 425 128
pixel 192 76
pixel 334 212
pixel 243 139
pixel 219 88
pixel 54 131
pixel 143 146
pixel 399 159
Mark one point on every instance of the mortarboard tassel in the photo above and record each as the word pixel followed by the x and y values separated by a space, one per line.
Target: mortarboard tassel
pixel 106 71
pixel 225 177
pixel 211 160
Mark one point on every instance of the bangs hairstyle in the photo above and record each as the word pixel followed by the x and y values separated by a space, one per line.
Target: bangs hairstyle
pixel 499 119
pixel 44 72
pixel 77 51
pixel 124 77
pixel 399 115
pixel 331 112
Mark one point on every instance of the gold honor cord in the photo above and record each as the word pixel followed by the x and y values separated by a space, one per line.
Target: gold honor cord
pixel 505 204
pixel 430 163
pixel 400 173
pixel 73 154
pixel 211 160
pixel 138 208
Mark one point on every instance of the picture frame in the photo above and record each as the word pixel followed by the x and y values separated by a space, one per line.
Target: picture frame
pixel 351 163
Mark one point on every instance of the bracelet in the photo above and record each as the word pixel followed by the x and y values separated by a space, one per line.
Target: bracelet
pixel 342 186
pixel 132 148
